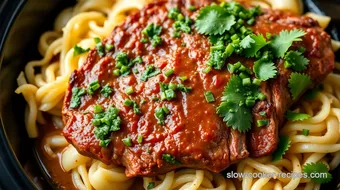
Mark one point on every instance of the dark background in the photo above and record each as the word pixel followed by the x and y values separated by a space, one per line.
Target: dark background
pixel 19 34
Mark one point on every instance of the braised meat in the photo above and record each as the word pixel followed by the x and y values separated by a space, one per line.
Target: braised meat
pixel 191 134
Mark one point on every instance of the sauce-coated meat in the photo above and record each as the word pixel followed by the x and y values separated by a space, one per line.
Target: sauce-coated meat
pixel 193 133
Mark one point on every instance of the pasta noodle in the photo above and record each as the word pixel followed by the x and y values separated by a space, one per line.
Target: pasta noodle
pixel 44 92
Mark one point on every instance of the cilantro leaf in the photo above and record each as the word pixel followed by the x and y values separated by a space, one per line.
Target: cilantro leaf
pixel 77 50
pixel 246 42
pixel 282 147
pixel 264 69
pixel 170 159
pixel 321 171
pixel 293 116
pixel 238 117
pixel 258 43
pixel 237 93
pixel 213 20
pixel 281 43
pixel 297 61
pixel 298 83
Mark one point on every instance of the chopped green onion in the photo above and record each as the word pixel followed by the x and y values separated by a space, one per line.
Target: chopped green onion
pixel 77 50
pixel 127 141
pixel 128 102
pixel 169 72
pixel 151 185
pixel 144 40
pixel 250 102
pixel 143 101
pixel 99 46
pixel 140 139
pixel 93 87
pixel 263 113
pixel 106 90
pixel 209 96
pixel 257 82
pixel 246 82
pixel 192 8
pixel 183 78
pixel 207 70
pixel 160 114
pixel 305 132
pixel 97 109
pixel 244 75
pixel 108 47
pixel 129 90
pixel 262 97
pixel 116 72
pixel 262 123
pixel 138 60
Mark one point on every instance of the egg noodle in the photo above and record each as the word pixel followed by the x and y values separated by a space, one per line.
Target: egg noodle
pixel 44 92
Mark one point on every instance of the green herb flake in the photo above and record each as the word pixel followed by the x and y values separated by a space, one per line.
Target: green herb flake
pixel 296 61
pixel 140 139
pixel 298 83
pixel 282 147
pixel 99 47
pixel 293 116
pixel 305 132
pixel 169 72
pixel 93 87
pixel 77 50
pixel 319 171
pixel 151 185
pixel 264 70
pixel 211 16
pixel 153 32
pixel 160 114
pixel 97 109
pixel 149 72
pixel 75 99
pixel 209 96
pixel 106 123
pixel 129 90
pixel 108 47
pixel 170 159
pixel 262 123
pixel 282 42
pixel 127 141
pixel 106 91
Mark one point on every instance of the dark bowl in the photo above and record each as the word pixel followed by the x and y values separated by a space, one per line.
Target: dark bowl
pixel 21 24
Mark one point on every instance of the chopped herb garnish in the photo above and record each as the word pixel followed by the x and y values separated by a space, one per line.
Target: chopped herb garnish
pixel 263 113
pixel 183 78
pixel 281 43
pixel 140 139
pixel 170 159
pixel 108 47
pixel 298 83
pixel 264 69
pixel 262 123
pixel 151 185
pixel 105 123
pixel 319 171
pixel 160 114
pixel 99 47
pixel 236 103
pixel 211 16
pixel 116 72
pixel 169 72
pixel 123 64
pixel 153 32
pixel 209 96
pixel 207 70
pixel 282 147
pixel 192 8
pixel 305 132
pixel 150 71
pixel 129 90
pixel 296 61
pixel 293 116
pixel 138 60
pixel 127 141
pixel 76 94
pixel 97 109
pixel 131 103
pixel 93 87
pixel 106 91
pixel 77 50
pixel 253 44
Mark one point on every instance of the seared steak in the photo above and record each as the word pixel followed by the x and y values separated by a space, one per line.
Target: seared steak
pixel 192 133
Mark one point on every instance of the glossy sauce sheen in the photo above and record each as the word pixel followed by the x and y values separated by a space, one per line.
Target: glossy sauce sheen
pixel 193 132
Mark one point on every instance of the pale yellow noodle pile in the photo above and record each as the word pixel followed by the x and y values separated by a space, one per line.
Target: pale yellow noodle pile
pixel 44 92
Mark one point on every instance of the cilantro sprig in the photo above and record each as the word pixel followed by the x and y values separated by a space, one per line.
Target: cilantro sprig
pixel 319 171
pixel 296 61
pixel 237 101
pixel 282 147
pixel 293 116
pixel 282 42
pixel 264 69
pixel 298 83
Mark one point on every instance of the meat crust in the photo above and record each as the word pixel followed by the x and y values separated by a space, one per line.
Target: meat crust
pixel 193 132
